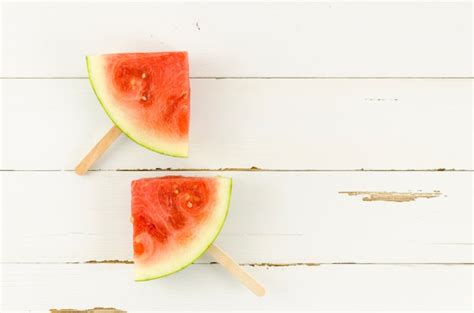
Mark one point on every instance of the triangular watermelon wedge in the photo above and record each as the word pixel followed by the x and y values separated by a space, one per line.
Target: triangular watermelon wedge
pixel 175 220
pixel 147 96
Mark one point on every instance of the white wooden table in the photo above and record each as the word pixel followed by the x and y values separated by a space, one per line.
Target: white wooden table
pixel 299 103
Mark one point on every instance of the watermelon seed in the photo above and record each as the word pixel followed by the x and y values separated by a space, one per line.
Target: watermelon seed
pixel 190 205
pixel 144 98
pixel 176 191
pixel 143 76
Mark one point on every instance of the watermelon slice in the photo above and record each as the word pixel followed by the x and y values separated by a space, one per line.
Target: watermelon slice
pixel 147 96
pixel 175 219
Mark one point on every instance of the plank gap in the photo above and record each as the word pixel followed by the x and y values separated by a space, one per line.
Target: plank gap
pixel 236 169
pixel 257 264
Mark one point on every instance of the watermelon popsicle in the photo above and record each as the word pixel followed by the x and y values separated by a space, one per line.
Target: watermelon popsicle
pixel 175 220
pixel 147 97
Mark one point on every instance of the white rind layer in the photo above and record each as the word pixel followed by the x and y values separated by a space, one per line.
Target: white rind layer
pixel 205 236
pixel 96 67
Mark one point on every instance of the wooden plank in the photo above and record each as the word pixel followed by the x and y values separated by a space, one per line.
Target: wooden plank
pixel 275 217
pixel 245 39
pixel 270 124
pixel 206 287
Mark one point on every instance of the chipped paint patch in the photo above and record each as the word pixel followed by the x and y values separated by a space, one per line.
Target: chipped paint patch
pixel 381 99
pixel 264 264
pixel 392 196
pixel 280 264
pixel 94 310
pixel 109 262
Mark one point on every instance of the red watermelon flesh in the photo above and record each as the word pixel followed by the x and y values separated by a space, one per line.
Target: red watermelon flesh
pixel 175 219
pixel 147 96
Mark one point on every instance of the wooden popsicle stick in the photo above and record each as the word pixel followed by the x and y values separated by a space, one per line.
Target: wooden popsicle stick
pixel 225 260
pixel 235 269
pixel 98 150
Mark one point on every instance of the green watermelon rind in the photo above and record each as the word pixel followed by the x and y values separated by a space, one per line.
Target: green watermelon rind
pixel 116 124
pixel 229 193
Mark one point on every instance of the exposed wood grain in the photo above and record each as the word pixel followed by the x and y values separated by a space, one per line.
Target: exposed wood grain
pixel 204 287
pixel 392 196
pixel 275 217
pixel 267 124
pixel 245 39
